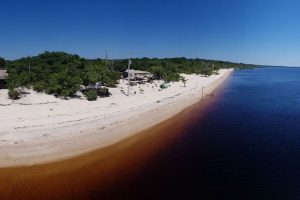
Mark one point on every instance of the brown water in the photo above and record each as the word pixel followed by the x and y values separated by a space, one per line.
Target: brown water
pixel 99 174
pixel 243 143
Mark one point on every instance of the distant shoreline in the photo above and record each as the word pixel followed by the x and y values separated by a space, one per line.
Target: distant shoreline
pixel 42 139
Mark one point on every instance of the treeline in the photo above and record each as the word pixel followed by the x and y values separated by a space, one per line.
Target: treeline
pixel 62 74
pixel 58 73
pixel 170 68
pixel 2 63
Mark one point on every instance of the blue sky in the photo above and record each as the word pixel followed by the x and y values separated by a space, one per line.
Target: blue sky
pixel 250 31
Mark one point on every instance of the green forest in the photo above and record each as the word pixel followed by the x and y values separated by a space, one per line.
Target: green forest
pixel 62 74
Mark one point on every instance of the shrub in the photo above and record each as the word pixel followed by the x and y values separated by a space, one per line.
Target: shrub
pixel 103 92
pixel 206 71
pixel 14 94
pixel 111 83
pixel 65 93
pixel 171 76
pixel 39 86
pixel 63 84
pixel 158 72
pixel 91 95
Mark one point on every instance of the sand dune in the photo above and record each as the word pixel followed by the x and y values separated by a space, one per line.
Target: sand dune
pixel 40 128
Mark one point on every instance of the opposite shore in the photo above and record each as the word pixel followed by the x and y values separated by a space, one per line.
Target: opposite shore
pixel 41 129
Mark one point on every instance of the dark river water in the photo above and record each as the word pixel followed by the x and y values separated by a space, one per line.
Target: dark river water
pixel 241 143
pixel 247 145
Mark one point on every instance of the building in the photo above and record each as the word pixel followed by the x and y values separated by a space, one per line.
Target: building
pixel 95 86
pixel 138 75
pixel 3 75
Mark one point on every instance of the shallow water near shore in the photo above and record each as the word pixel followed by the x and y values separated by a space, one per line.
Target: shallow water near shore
pixel 241 143
pixel 101 173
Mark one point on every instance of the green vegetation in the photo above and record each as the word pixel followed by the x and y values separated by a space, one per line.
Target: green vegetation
pixel 14 94
pixel 169 69
pixel 58 73
pixel 91 95
pixel 62 84
pixel 103 92
pixel 2 63
pixel 97 72
pixel 63 74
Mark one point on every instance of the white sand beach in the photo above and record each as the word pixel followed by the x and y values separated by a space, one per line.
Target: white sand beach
pixel 40 128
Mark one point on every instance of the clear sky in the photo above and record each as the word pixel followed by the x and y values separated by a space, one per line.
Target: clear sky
pixel 250 31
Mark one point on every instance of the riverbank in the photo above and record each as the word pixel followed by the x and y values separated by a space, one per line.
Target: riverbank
pixel 41 128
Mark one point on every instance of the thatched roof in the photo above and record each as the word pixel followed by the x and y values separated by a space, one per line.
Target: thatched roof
pixel 3 74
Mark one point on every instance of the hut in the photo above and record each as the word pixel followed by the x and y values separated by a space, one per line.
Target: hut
pixel 3 75
pixel 138 75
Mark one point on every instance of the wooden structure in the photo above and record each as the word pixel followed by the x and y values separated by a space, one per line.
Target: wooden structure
pixel 138 75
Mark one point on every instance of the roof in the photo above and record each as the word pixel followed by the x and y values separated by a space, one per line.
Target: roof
pixel 3 74
pixel 148 75
pixel 93 86
pixel 137 71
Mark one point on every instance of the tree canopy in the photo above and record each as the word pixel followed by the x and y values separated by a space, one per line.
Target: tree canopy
pixel 61 74
pixel 2 63
pixel 58 73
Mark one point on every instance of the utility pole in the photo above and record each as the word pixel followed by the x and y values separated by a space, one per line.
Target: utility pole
pixel 106 57
pixel 112 64
pixel 128 76
pixel 29 69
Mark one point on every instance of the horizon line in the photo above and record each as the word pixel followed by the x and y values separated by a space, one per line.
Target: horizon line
pixel 141 57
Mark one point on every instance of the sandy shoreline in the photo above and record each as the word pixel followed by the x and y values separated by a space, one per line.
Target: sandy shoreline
pixel 41 128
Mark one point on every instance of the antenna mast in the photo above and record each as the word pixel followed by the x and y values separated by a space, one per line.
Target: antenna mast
pixel 112 64
pixel 128 76
pixel 29 69
pixel 106 57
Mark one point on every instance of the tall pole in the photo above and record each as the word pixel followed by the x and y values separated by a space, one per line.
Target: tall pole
pixel 29 69
pixel 128 77
pixel 106 57
pixel 112 64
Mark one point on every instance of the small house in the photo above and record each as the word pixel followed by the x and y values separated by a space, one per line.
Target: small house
pixel 138 75
pixel 3 75
pixel 95 86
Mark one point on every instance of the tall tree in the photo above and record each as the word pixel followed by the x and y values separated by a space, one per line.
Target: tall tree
pixel 2 63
